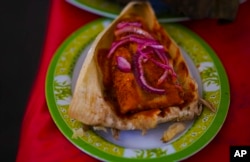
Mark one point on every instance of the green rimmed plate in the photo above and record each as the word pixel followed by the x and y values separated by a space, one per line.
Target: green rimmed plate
pixel 204 66
pixel 111 9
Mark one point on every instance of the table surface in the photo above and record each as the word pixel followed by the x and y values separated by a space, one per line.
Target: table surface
pixel 41 140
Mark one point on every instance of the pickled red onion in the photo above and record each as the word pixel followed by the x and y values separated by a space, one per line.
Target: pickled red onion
pixel 140 77
pixel 132 29
pixel 147 45
pixel 126 23
pixel 123 64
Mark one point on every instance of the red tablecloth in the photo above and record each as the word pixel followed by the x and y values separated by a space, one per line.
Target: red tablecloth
pixel 40 139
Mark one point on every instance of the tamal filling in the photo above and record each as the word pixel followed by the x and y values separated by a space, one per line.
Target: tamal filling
pixel 138 75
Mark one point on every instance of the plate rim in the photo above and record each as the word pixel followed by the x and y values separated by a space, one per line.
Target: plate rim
pixel 112 15
pixel 66 131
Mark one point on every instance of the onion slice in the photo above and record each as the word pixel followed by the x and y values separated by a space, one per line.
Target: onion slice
pixel 140 76
pixel 133 29
pixel 115 45
pixel 132 32
pixel 162 78
pixel 130 38
pixel 126 23
pixel 123 64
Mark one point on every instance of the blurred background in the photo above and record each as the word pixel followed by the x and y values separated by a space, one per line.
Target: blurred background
pixel 23 29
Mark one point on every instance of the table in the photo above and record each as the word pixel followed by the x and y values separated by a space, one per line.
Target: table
pixel 40 139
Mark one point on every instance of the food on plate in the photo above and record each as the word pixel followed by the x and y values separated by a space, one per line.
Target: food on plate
pixel 134 77
pixel 172 131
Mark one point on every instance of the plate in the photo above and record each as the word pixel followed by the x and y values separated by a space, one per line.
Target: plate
pixel 205 67
pixel 110 9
